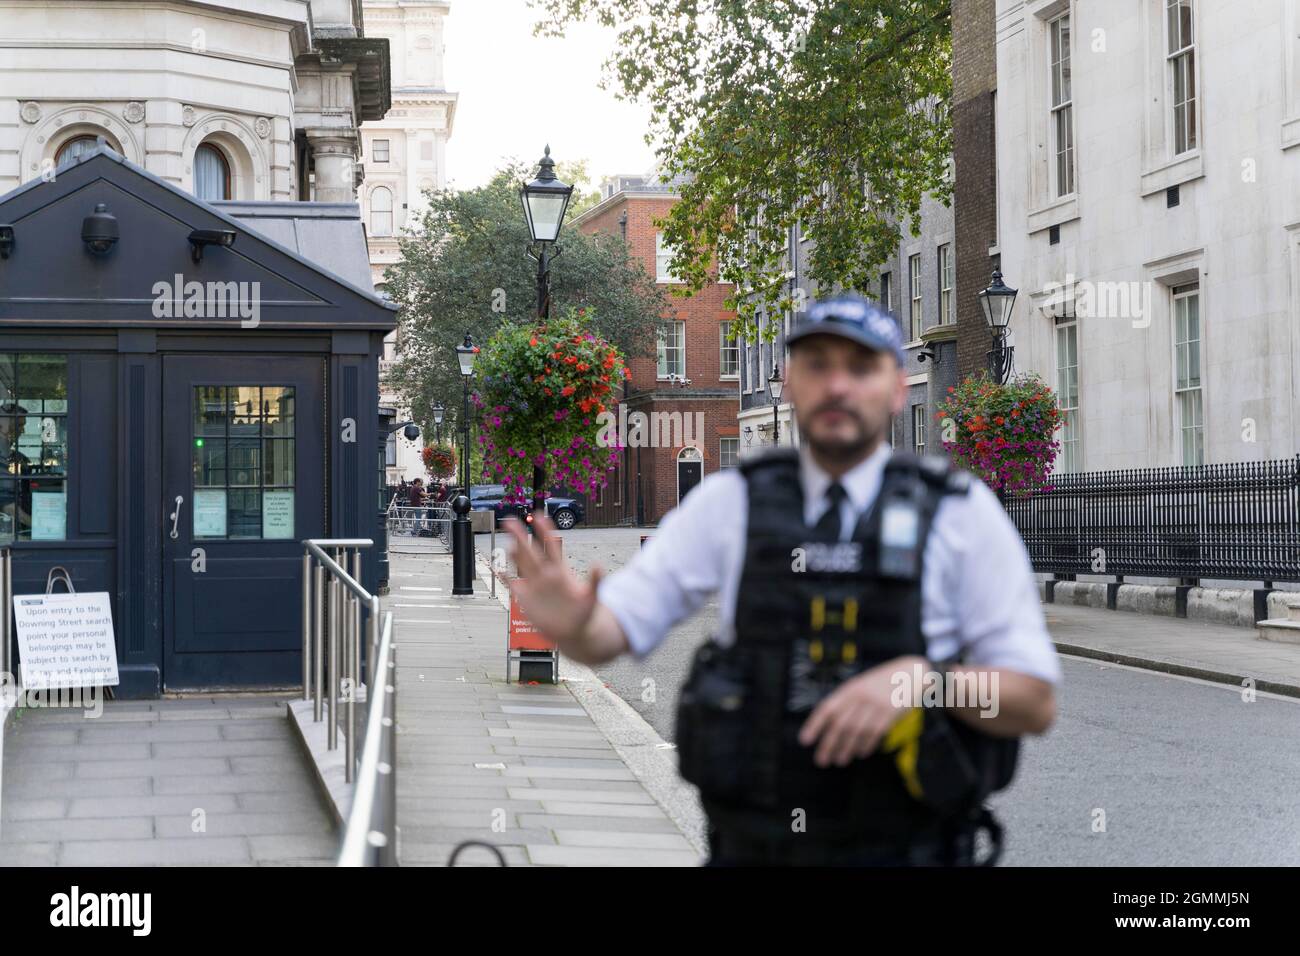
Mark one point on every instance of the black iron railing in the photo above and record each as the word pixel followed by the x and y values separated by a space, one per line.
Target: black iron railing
pixel 1236 521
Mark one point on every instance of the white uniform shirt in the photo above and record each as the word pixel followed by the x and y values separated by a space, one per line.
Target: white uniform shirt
pixel 978 594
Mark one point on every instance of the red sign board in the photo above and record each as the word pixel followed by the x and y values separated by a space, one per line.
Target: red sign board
pixel 522 635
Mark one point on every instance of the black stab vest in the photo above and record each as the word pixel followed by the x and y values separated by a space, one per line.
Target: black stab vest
pixel 811 613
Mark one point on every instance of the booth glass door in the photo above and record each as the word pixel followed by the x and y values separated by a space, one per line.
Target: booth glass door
pixel 243 485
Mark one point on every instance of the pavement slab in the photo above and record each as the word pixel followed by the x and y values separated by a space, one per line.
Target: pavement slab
pixel 511 765
pixel 180 781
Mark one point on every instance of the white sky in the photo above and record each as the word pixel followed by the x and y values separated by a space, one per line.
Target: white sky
pixel 519 92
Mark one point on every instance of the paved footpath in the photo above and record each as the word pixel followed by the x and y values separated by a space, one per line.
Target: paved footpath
pixel 1223 653
pixel 188 781
pixel 523 767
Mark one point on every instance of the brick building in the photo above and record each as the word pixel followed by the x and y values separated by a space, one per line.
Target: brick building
pixel 687 391
pixel 975 203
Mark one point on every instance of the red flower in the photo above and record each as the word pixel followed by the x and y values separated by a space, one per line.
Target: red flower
pixel 533 341
pixel 567 390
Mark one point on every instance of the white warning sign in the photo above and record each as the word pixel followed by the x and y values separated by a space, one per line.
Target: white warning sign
pixel 65 640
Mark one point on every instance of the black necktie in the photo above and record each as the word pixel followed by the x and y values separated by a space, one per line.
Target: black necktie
pixel 829 524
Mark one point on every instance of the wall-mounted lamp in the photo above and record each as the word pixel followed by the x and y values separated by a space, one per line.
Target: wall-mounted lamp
pixel 99 230
pixel 224 238
pixel 749 435
pixel 6 241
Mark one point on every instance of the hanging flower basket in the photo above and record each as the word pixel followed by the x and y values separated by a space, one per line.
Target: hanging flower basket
pixel 1005 434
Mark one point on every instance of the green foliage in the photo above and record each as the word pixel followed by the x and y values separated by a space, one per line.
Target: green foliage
pixel 466 269
pixel 829 113
pixel 542 392
pixel 1003 433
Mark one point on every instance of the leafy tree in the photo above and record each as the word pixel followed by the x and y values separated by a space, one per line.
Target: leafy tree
pixel 465 269
pixel 827 113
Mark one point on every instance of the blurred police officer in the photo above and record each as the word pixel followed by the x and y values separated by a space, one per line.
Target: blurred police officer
pixel 859 588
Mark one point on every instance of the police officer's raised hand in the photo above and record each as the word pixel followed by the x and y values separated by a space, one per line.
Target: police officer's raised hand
pixel 562 606
pixel 851 721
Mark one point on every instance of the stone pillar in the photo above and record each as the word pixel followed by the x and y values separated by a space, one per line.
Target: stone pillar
pixel 334 154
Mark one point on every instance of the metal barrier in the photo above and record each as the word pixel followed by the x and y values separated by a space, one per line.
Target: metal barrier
pixel 1231 521
pixel 370 837
pixel 332 601
pixel 422 530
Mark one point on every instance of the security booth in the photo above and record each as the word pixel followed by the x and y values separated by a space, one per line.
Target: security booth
pixel 186 393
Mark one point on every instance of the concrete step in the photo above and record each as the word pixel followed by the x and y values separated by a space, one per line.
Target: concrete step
pixel 1281 630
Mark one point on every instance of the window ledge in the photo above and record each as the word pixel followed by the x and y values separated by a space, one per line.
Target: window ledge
pixel 729 378
pixel 1058 211
pixel 1175 172
pixel 1291 132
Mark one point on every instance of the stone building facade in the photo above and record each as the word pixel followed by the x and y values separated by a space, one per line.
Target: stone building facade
pixel 405 156
pixel 1149 212
pixel 238 100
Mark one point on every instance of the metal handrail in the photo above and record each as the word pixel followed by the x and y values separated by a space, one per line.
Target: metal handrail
pixel 6 615
pixel 334 659
pixel 370 836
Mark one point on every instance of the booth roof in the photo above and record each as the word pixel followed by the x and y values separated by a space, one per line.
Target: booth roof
pixel 328 234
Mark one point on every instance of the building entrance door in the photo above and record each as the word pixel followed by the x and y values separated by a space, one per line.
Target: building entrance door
pixel 243 485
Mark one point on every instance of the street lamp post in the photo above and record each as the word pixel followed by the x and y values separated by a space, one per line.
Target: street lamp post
pixel 462 537
pixel 439 413
pixel 465 353
pixel 775 384
pixel 996 301
pixel 545 201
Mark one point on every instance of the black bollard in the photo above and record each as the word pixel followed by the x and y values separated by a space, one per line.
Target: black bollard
pixel 462 548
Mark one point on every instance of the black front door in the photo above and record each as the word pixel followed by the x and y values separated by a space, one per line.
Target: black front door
pixel 689 473
pixel 243 485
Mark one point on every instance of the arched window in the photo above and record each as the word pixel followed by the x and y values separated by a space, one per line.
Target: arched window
pixel 381 212
pixel 74 149
pixel 211 173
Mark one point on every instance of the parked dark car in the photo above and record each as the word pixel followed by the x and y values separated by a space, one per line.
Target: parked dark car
pixel 564 511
